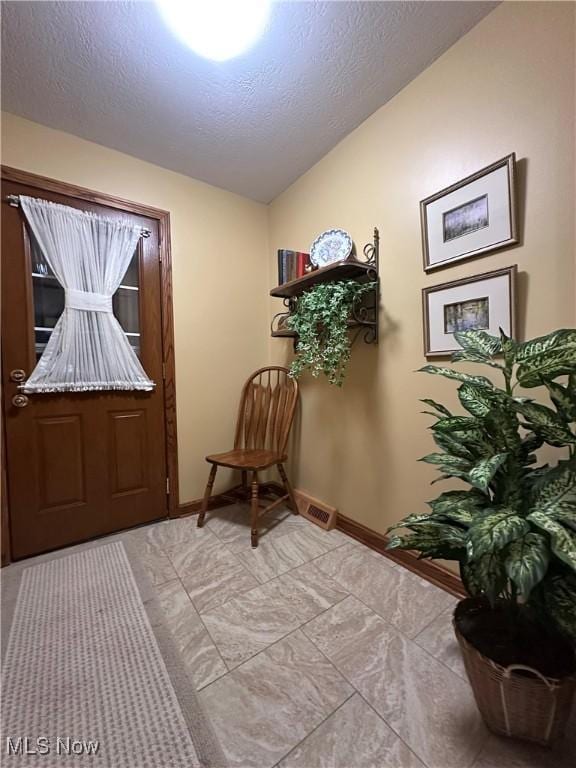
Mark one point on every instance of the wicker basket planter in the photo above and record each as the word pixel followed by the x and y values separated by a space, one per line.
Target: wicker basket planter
pixel 518 701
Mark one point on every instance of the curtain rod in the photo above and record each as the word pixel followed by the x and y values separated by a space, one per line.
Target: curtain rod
pixel 14 201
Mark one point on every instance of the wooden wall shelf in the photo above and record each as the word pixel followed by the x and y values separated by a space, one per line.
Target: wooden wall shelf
pixel 341 270
pixel 365 315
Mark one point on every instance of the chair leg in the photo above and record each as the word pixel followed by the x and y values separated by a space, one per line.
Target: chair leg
pixel 245 492
pixel 207 494
pixel 254 511
pixel 288 488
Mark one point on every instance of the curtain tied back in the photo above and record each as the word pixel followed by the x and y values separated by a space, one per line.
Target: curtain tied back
pixel 89 256
pixel 88 302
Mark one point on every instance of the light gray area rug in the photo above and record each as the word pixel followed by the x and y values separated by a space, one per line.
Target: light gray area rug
pixel 90 673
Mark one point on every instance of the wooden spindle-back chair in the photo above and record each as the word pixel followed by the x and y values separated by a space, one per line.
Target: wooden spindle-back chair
pixel 265 416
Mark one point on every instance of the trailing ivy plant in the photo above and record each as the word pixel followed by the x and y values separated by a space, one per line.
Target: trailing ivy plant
pixel 513 530
pixel 321 321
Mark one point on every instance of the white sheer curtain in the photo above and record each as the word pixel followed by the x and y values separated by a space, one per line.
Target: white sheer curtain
pixel 89 256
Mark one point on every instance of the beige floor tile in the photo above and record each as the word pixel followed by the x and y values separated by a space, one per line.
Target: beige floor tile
pixel 510 753
pixel 156 563
pixel 268 705
pixel 353 737
pixel 271 558
pixel 199 653
pixel 179 532
pixel 249 623
pixel 232 525
pixel 211 573
pixel 310 541
pixel 379 556
pixel 426 704
pixel 310 591
pixel 439 640
pixel 329 539
pixel 285 541
pixel 402 598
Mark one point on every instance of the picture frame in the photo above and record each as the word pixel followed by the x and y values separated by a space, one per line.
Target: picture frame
pixel 473 217
pixel 482 302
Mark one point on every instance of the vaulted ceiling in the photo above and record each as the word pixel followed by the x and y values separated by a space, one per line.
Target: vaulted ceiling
pixel 113 73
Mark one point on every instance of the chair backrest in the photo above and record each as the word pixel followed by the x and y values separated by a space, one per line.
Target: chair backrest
pixel 266 410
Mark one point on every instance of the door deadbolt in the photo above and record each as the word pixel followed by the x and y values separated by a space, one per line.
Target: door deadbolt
pixel 17 375
pixel 20 401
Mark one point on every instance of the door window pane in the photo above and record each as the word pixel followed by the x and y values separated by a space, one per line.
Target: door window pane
pixel 125 306
pixel 49 300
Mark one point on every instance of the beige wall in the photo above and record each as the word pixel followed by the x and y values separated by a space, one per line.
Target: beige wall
pixel 506 86
pixel 219 247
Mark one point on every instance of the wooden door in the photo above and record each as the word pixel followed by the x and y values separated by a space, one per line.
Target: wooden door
pixel 78 464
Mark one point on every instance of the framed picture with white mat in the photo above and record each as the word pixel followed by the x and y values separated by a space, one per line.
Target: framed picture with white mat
pixel 472 217
pixel 484 302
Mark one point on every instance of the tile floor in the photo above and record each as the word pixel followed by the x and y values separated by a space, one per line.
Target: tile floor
pixel 313 651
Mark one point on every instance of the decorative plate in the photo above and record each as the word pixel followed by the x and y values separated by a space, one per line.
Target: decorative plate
pixel 331 246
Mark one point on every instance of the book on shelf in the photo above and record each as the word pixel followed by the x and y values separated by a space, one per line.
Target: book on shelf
pixel 291 265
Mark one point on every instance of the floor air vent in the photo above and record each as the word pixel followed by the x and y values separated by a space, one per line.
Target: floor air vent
pixel 316 511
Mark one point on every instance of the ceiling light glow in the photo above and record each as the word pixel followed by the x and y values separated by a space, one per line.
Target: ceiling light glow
pixel 216 29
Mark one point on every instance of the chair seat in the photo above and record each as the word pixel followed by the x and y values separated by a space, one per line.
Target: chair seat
pixel 245 458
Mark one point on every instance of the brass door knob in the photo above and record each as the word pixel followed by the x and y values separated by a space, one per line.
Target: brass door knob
pixel 17 375
pixel 20 401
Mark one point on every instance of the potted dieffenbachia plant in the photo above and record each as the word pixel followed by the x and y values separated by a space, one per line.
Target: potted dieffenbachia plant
pixel 512 529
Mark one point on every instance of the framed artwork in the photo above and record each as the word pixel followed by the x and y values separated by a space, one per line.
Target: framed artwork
pixel 482 303
pixel 472 217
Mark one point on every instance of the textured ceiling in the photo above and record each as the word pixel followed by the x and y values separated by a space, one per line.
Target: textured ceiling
pixel 111 72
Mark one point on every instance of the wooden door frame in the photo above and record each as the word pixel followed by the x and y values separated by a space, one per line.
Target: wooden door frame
pixel 168 359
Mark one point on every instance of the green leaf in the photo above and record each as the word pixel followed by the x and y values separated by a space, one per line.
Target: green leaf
pixel 542 345
pixel 475 400
pixel 564 399
pixel 406 521
pixel 455 423
pixel 551 366
pixel 480 476
pixel 546 423
pixel 448 443
pixel 434 541
pixel 444 460
pixel 479 342
pixel 566 514
pixel 475 441
pixel 563 541
pixel 464 356
pixel 477 347
pixel 558 592
pixel 451 466
pixel 546 357
pixel 527 561
pixel 479 381
pixel 485 576
pixel 459 506
pixel 503 427
pixel 437 406
pixel 555 490
pixel 493 532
